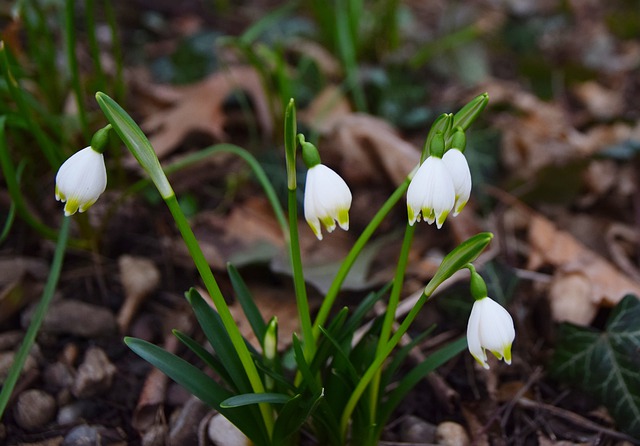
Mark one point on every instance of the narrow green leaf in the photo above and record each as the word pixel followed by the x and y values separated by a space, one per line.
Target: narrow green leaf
pixel 433 361
pixel 204 355
pixel 245 299
pixel 400 356
pixel 308 379
pixel 605 364
pixel 197 383
pixel 355 321
pixel 247 399
pixel 219 339
pixel 465 252
pixel 293 415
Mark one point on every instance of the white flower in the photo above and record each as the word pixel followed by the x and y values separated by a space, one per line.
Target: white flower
pixel 327 199
pixel 81 180
pixel 490 328
pixel 431 192
pixel 459 170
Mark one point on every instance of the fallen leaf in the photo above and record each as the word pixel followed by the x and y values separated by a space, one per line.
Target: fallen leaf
pixel 200 107
pixel 602 283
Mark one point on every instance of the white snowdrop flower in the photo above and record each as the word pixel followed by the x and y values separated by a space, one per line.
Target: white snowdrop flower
pixel 461 175
pixel 431 192
pixel 490 328
pixel 327 199
pixel 81 180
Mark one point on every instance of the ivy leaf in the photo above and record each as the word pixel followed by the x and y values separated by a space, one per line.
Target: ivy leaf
pixel 605 364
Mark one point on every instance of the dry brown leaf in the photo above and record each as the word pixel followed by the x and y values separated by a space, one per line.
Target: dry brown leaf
pixel 368 148
pixel 542 134
pixel 139 277
pixel 199 107
pixel 21 282
pixel 601 103
pixel 603 284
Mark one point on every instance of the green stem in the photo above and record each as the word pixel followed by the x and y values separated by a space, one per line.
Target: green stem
pixel 348 262
pixel 390 315
pixel 38 316
pixel 298 277
pixel 220 304
pixel 72 63
pixel 370 373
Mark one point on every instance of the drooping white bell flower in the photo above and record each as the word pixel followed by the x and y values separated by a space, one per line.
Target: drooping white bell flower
pixel 81 180
pixel 327 199
pixel 431 192
pixel 490 328
pixel 461 175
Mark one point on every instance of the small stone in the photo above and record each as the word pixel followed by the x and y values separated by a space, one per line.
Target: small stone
pixel 6 361
pixel 58 376
pixel 449 433
pixel 82 435
pixel 157 436
pixel 416 430
pixel 95 374
pixel 34 409
pixel 73 317
pixel 222 433
pixel 76 411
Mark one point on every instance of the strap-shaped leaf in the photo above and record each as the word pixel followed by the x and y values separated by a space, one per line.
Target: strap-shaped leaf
pixel 245 299
pixel 400 356
pixel 248 399
pixel 196 382
pixel 219 339
pixel 355 321
pixel 433 361
pixel 204 355
pixel 293 415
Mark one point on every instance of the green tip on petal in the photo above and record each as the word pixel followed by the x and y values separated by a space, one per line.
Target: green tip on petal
pixel 329 223
pixel 507 354
pixel 343 219
pixel 441 218
pixel 71 207
pixel 412 215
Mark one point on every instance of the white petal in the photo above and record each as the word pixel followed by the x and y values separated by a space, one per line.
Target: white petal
pixel 440 194
pixel 497 332
pixel 327 199
pixel 81 180
pixel 473 334
pixel 461 175
pixel 416 191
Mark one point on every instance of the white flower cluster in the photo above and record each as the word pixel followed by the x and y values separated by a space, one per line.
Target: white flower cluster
pixel 439 186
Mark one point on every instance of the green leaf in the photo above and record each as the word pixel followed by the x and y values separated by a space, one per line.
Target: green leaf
pixel 605 364
pixel 219 339
pixel 196 382
pixel 465 252
pixel 245 299
pixel 293 415
pixel 433 361
pixel 204 355
pixel 247 399
pixel 470 112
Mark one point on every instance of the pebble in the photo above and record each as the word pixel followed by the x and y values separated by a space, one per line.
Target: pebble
pixel 94 375
pixel 449 433
pixel 222 433
pixel 58 376
pixel 76 411
pixel 6 361
pixel 83 435
pixel 416 430
pixel 34 409
pixel 77 318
